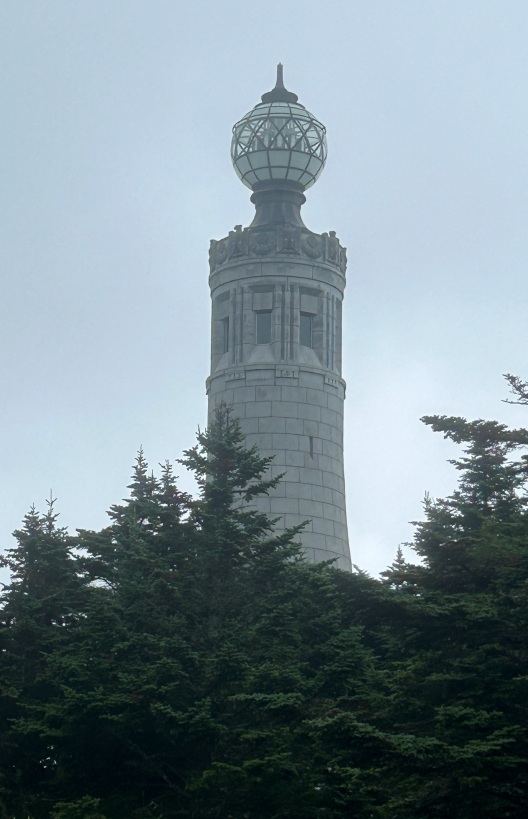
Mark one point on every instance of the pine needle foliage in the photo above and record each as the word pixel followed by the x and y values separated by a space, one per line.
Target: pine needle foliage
pixel 185 661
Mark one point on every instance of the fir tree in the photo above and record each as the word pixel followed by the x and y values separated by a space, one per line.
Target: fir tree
pixel 40 608
pixel 460 678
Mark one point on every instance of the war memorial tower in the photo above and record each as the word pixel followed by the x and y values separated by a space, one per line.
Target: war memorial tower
pixel 277 292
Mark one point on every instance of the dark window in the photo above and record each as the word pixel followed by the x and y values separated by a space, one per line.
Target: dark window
pixel 225 335
pixel 305 331
pixel 263 327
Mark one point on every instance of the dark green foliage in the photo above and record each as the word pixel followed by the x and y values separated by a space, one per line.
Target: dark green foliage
pixel 186 662
pixel 519 389
pixel 462 684
pixel 41 607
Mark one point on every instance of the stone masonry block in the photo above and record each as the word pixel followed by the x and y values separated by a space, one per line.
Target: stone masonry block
pixel 279 457
pixel 322 493
pixel 310 412
pixel 335 403
pixel 296 394
pixel 311 428
pixel 268 393
pixel 325 431
pixel 336 435
pixel 328 416
pixel 285 409
pixel 299 490
pixel 258 377
pixel 323 274
pixel 297 520
pixel 270 424
pixel 314 380
pixel 310 540
pixel 337 465
pixel 243 395
pixel 218 385
pixel 344 564
pixel 340 530
pixel 286 441
pixel 236 410
pixel 279 491
pixel 323 526
pixel 317 397
pixel 310 508
pixel 249 425
pixel 294 458
pixel 331 512
pixel 338 499
pixel 282 506
pixel 262 440
pixel 330 480
pixel 292 476
pixel 258 409
pixel 313 476
pixel 332 449
pixel 293 425
pixel 326 463
pixel 335 544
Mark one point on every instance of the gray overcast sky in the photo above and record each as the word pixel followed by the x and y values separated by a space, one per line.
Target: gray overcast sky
pixel 115 170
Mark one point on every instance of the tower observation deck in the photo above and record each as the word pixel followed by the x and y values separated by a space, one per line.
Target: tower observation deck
pixel 277 292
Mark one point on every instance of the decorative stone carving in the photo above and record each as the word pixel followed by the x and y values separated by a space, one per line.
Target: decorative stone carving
pixel 332 247
pixel 262 243
pixel 331 380
pixel 238 242
pixel 221 252
pixel 288 240
pixel 280 240
pixel 287 372
pixel 312 245
pixel 235 375
pixel 342 259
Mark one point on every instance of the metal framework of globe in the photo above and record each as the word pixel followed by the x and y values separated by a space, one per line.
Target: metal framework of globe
pixel 279 141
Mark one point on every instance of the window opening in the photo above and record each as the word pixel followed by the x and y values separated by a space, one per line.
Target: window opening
pixel 225 335
pixel 306 330
pixel 263 327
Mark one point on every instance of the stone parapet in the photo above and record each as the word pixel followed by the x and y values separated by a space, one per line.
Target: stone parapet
pixel 281 241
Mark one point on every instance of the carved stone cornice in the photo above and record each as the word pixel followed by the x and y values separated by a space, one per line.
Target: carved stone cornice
pixel 279 241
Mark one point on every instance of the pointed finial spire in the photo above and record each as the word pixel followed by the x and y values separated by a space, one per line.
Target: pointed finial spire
pixel 279 93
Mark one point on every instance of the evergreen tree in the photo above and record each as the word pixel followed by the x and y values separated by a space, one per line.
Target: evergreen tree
pixel 460 689
pixel 201 677
pixel 40 608
pixel 185 661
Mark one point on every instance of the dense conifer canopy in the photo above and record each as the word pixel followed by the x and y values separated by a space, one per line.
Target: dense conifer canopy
pixel 186 662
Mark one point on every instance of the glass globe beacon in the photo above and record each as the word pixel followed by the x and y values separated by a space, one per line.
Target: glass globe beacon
pixel 278 141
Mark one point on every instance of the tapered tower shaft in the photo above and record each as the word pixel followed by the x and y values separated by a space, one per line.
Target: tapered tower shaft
pixel 277 292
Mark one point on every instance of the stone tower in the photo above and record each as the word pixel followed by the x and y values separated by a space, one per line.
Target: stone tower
pixel 277 292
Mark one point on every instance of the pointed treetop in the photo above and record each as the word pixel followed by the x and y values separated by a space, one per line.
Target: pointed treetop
pixel 279 93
